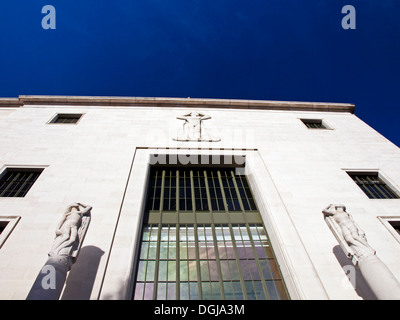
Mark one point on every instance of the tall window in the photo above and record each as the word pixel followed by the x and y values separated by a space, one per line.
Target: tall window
pixel 203 238
pixel 17 182
pixel 372 185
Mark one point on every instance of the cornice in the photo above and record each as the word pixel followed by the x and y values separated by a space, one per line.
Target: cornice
pixel 177 102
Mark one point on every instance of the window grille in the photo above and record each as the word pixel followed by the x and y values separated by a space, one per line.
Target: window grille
pixel 228 256
pixel 17 182
pixel 199 190
pixel 373 186
pixel 66 118
pixel 313 123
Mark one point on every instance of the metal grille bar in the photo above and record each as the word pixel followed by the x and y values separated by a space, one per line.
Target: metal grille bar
pixel 16 183
pixel 373 186
pixel 199 190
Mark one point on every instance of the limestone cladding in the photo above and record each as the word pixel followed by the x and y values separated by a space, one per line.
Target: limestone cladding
pixel 102 161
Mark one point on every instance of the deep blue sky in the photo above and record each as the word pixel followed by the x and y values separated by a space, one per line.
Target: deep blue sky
pixel 292 50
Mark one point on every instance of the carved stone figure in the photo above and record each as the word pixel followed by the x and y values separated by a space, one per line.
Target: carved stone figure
pixel 352 234
pixel 70 231
pixel 193 129
pixel 352 240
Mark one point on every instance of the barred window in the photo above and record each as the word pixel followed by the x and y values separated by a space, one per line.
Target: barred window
pixel 194 189
pixel 373 186
pixel 17 182
pixel 66 118
pixel 314 123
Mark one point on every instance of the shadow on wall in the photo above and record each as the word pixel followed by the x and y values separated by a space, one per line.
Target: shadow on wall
pixel 353 273
pixel 80 281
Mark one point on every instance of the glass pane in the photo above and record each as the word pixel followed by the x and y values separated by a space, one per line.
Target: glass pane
pixel 202 250
pixel 163 250
pixel 213 270
pixel 251 295
pixel 210 250
pixel 226 274
pixel 183 270
pixel 143 250
pixel 236 233
pixel 192 250
pixel 194 291
pixel 171 270
pixel 253 267
pixel 234 269
pixel 205 275
pixel 171 294
pixel 192 271
pixel 141 270
pixel 139 291
pixel 259 290
pixel 266 269
pixel 162 271
pixel 172 234
pixel 244 264
pixel 184 290
pixel 241 250
pixel 228 291
pixel 152 250
pixel 183 250
pixel 272 290
pixel 161 291
pixel 221 250
pixel 238 290
pixel 146 234
pixel 230 251
pixel 216 292
pixel 248 250
pixel 164 234
pixel 172 250
pixel 154 234
pixel 206 290
pixel 148 292
pixel 150 270
pixel 259 250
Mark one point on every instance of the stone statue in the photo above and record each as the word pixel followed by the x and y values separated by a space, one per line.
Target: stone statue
pixel 347 230
pixel 193 127
pixel 352 240
pixel 70 231
pixel 70 234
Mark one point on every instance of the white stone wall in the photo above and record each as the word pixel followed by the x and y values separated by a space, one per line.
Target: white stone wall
pixel 103 160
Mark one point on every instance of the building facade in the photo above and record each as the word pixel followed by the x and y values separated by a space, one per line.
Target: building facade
pixel 194 198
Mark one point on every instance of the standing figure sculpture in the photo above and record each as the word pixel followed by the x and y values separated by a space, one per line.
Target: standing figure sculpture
pixel 70 233
pixel 70 230
pixel 350 231
pixel 193 127
pixel 352 240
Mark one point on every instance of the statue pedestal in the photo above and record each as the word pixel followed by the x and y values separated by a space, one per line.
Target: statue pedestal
pixel 379 278
pixel 51 279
